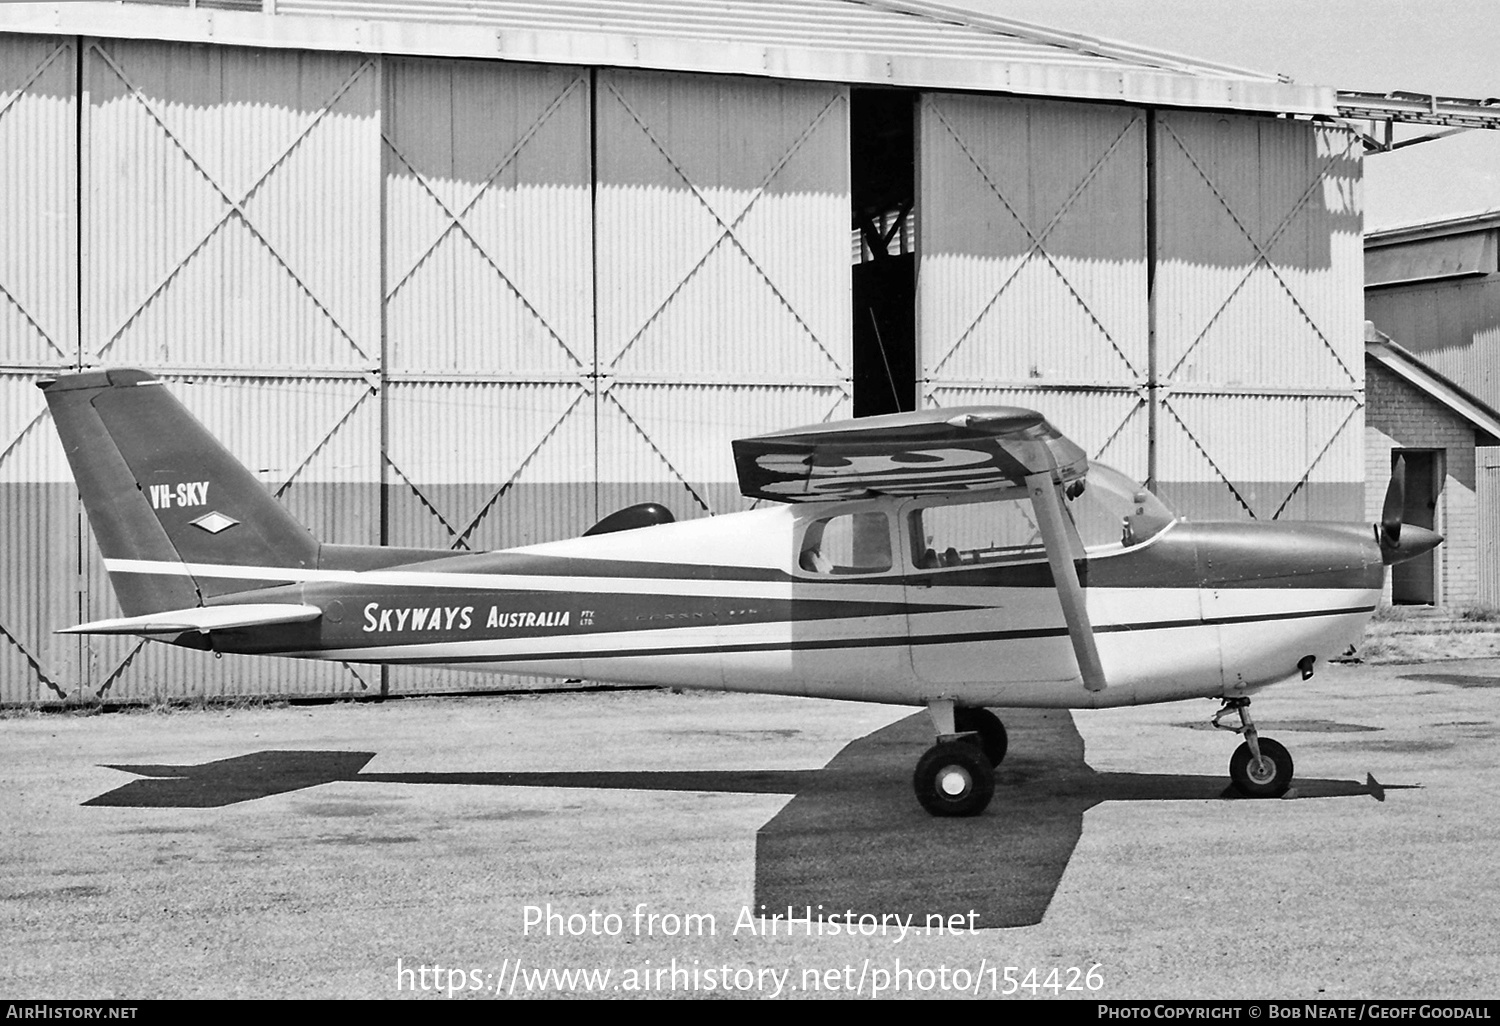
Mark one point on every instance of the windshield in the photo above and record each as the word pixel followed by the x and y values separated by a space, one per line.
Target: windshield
pixel 1113 510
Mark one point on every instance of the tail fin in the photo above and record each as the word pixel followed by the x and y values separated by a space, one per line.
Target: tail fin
pixel 177 518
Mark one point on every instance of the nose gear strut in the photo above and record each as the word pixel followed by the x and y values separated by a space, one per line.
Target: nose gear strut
pixel 1259 768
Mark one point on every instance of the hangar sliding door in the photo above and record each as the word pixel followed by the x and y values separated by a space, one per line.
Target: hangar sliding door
pixel 1031 289
pixel 1259 331
pixel 722 276
pixel 39 520
pixel 231 209
pixel 489 310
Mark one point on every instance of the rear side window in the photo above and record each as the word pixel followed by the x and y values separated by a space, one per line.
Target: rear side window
pixel 855 543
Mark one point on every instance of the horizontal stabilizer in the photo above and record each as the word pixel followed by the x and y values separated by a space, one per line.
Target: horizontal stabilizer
pixel 201 619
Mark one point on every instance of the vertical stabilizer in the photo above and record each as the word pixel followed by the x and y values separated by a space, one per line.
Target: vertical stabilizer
pixel 177 518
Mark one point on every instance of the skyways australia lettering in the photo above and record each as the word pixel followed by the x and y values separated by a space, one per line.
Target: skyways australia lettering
pixel 386 619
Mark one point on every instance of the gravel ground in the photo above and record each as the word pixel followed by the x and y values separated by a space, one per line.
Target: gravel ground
pixel 345 850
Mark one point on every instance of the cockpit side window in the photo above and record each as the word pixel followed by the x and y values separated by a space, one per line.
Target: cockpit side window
pixel 1108 510
pixel 854 543
pixel 974 532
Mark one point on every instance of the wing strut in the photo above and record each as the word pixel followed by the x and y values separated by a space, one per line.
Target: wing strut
pixel 1053 522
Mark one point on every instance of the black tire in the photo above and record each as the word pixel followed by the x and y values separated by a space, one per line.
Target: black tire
pixel 1270 780
pixel 954 778
pixel 993 740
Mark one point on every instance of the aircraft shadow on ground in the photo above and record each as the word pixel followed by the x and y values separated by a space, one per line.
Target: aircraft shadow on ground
pixel 851 839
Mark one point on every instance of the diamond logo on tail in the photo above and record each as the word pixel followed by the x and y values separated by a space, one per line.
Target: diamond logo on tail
pixel 214 522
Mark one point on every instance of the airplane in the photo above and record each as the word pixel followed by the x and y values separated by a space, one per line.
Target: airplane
pixel 955 559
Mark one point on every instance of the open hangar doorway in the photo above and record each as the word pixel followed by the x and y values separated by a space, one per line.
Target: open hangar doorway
pixel 882 163
pixel 1414 582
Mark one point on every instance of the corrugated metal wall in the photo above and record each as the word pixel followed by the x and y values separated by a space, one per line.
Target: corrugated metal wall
pixel 1454 326
pixel 1033 290
pixel 1032 286
pixel 232 239
pixel 723 262
pixel 232 204
pixel 489 310
pixel 478 304
pixel 39 524
pixel 376 280
pixel 1259 262
pixel 38 164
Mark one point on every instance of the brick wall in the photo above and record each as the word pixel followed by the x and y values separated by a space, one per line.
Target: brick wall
pixel 1398 416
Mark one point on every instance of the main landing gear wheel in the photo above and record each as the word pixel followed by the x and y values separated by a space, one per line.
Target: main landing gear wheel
pixel 954 778
pixel 1270 777
pixel 990 732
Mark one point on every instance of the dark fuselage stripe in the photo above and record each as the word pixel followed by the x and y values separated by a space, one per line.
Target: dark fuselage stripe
pixel 889 641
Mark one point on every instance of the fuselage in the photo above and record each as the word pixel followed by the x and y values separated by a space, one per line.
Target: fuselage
pixel 970 556
pixel 734 603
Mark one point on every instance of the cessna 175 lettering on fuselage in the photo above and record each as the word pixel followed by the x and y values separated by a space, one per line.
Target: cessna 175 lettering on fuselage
pixel 956 559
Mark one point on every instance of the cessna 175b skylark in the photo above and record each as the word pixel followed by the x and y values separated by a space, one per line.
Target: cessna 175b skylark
pixel 957 559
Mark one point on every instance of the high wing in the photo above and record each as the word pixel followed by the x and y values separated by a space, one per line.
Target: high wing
pixel 931 451
pixel 936 451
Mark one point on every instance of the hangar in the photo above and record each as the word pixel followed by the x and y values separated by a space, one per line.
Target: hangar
pixel 476 274
pixel 1432 293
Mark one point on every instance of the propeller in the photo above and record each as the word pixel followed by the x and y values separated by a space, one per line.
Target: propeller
pixel 1395 506
pixel 1396 546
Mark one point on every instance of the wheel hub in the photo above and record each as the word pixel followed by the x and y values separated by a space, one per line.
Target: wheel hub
pixel 953 781
pixel 1262 771
pixel 954 778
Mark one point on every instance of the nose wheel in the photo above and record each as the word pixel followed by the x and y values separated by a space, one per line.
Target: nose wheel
pixel 1260 767
pixel 956 776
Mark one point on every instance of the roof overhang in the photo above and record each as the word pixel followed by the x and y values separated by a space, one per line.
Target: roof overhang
pixel 1112 78
pixel 1407 366
pixel 1437 228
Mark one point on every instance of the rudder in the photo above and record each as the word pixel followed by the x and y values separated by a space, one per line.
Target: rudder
pixel 175 515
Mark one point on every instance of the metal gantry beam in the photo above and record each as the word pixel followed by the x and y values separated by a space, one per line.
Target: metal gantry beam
pixel 1386 110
